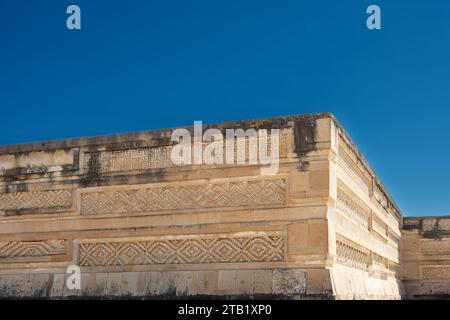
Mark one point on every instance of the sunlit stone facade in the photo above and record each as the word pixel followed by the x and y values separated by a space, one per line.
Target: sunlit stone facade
pixel 137 225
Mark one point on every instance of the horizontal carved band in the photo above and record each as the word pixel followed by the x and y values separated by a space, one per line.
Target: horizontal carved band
pixel 49 199
pixel 128 160
pixel 435 246
pixel 24 249
pixel 351 256
pixel 230 194
pixel 208 249
pixel 379 226
pixel 159 157
pixel 351 169
pixel 356 256
pixel 352 208
pixel 435 272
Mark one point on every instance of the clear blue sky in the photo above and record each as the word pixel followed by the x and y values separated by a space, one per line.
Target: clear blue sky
pixel 139 65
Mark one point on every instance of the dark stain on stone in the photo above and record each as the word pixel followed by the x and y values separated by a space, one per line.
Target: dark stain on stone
pixel 303 166
pixel 49 285
pixel 68 169
pixel 436 234
pixel 412 224
pixel 16 172
pixel 267 124
pixel 171 295
pixel 30 211
pixel 93 170
pixel 304 136
pixel 442 296
pixel 22 187
pixel 94 178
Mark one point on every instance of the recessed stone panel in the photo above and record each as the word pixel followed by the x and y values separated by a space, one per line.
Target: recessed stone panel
pixel 184 250
pixel 193 196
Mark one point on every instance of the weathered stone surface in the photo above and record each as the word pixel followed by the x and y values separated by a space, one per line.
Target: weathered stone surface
pixel 39 285
pixel 426 256
pixel 289 281
pixel 263 282
pixel 139 225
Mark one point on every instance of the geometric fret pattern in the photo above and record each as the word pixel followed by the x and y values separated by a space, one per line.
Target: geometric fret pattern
pixel 356 256
pixel 213 195
pixel 353 209
pixel 435 272
pixel 36 199
pixel 352 169
pixel 129 159
pixel 261 248
pixel 146 158
pixel 15 249
pixel 350 256
pixel 430 246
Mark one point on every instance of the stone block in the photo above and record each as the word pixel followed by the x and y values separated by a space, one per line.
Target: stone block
pixel 153 278
pixel 186 283
pixel 97 284
pixel 319 181
pixel 318 236
pixel 289 282
pixel 262 281
pixel 84 283
pixel 113 284
pixel 16 285
pixel 298 238
pixel 226 282
pixel 129 284
pixel 142 283
pixel 58 285
pixel 244 282
pixel 318 282
pixel 39 285
pixel 139 226
pixel 166 284
pixel 207 282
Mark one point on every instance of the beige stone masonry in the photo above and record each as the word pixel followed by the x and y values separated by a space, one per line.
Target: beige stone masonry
pixel 426 256
pixel 137 224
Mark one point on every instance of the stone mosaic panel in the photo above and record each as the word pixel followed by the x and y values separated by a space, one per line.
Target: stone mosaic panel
pixel 20 249
pixel 210 249
pixel 213 195
pixel 354 210
pixel 146 158
pixel 351 256
pixel 56 199
pixel 435 272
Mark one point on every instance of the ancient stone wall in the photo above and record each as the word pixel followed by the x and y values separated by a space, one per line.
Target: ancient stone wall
pixel 367 225
pixel 138 225
pixel 426 257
